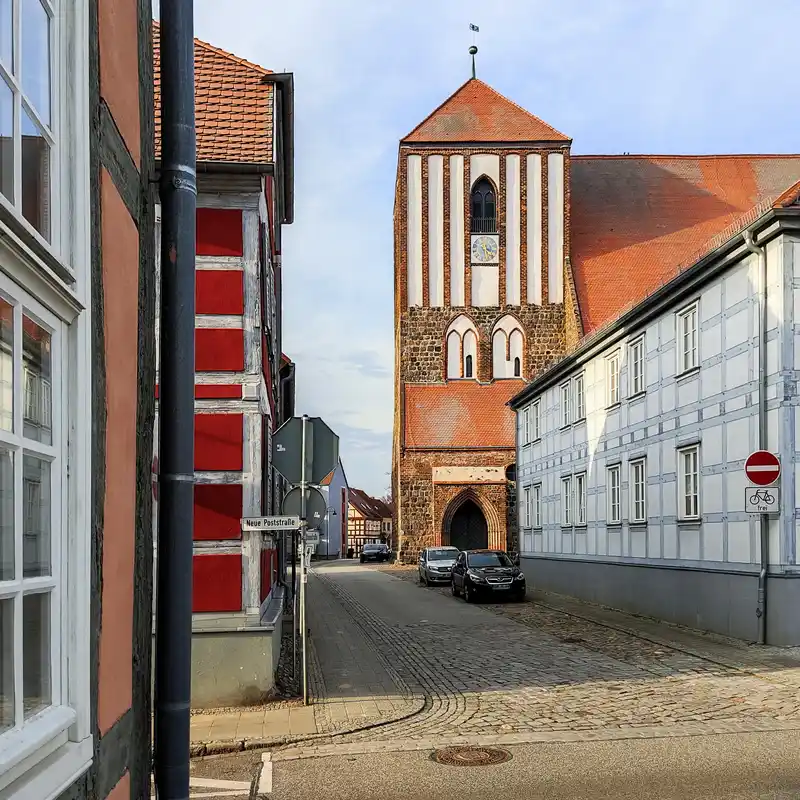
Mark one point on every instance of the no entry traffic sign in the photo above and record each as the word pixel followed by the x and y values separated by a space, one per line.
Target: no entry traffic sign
pixel 762 468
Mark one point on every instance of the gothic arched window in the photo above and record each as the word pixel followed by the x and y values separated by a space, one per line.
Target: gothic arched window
pixel 483 207
pixel 462 348
pixel 507 346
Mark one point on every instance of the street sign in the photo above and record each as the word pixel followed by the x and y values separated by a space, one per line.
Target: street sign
pixel 315 505
pixel 287 450
pixel 288 523
pixel 311 538
pixel 762 499
pixel 762 468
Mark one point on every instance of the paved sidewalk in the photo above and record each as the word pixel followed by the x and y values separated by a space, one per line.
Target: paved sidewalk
pixel 351 688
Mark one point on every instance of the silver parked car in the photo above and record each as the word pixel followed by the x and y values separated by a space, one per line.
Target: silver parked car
pixel 436 564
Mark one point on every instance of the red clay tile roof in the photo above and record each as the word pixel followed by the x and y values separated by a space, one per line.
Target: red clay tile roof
pixel 637 221
pixel 233 105
pixel 477 113
pixel 370 507
pixel 460 414
pixel 326 481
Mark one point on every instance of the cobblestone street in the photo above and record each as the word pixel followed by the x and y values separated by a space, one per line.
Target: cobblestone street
pixel 527 672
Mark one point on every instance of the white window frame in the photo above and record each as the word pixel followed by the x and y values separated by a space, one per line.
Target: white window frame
pixel 637 480
pixel 613 495
pixel 580 499
pixel 580 397
pixel 566 501
pixel 526 425
pixel 689 483
pixel 688 353
pixel 612 379
pixel 536 422
pixel 536 521
pixel 525 507
pixel 55 288
pixel 566 411
pixel 636 361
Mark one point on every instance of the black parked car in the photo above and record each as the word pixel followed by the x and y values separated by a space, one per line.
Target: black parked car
pixel 482 573
pixel 374 552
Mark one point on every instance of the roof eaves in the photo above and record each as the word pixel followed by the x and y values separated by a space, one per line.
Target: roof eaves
pixel 717 254
pixel 284 82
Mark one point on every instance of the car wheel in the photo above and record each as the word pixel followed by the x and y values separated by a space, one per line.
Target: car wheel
pixel 361 559
pixel 453 589
pixel 469 595
pixel 419 577
pixel 425 580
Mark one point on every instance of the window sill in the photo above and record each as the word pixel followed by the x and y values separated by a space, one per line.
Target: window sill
pixel 638 523
pixel 638 395
pixel 687 373
pixel 36 245
pixel 617 524
pixel 613 406
pixel 690 522
pixel 43 738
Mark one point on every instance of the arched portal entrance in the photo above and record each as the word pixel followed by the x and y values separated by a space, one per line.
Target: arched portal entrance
pixel 468 528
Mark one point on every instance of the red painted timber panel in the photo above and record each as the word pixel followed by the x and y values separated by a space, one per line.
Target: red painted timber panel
pixel 216 391
pixel 269 565
pixel 217 583
pixel 217 511
pixel 218 442
pixel 219 350
pixel 219 232
pixel 219 291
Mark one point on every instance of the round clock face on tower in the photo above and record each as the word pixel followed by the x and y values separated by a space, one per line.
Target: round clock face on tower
pixel 484 249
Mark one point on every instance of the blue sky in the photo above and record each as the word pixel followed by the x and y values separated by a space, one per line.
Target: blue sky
pixel 661 76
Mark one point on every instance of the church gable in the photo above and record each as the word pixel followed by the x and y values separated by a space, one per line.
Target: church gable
pixel 477 113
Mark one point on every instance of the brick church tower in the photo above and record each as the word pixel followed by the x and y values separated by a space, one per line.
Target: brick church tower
pixel 484 299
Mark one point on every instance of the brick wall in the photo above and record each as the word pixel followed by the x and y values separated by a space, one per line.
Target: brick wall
pixel 420 351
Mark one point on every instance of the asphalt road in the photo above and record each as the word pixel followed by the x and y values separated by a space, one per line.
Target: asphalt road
pixel 762 766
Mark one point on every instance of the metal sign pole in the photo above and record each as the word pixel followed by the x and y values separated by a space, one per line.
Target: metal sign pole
pixel 307 450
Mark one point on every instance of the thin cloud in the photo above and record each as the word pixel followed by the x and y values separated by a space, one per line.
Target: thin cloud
pixel 622 75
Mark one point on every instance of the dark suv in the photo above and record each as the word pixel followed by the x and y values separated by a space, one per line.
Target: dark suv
pixel 482 573
pixel 374 552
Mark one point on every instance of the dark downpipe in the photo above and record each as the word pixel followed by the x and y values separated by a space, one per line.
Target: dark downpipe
pixel 178 190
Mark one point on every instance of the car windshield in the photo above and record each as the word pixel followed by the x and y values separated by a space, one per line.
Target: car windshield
pixel 445 554
pixel 370 548
pixel 489 560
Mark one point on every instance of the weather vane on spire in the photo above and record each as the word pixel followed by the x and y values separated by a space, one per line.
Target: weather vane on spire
pixel 474 49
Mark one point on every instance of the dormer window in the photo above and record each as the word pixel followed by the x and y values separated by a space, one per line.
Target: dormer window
pixel 483 205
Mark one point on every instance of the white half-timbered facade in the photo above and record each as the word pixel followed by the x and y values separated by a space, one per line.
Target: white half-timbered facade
pixel 631 450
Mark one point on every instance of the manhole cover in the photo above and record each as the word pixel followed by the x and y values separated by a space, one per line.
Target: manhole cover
pixel 572 640
pixel 470 756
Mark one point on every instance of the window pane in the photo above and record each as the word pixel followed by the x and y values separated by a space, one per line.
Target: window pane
pixel 7 547
pixel 36 680
pixel 35 176
pixel 6 141
pixel 6 664
pixel 37 410
pixel 36 57
pixel 6 366
pixel 35 517
pixel 6 46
